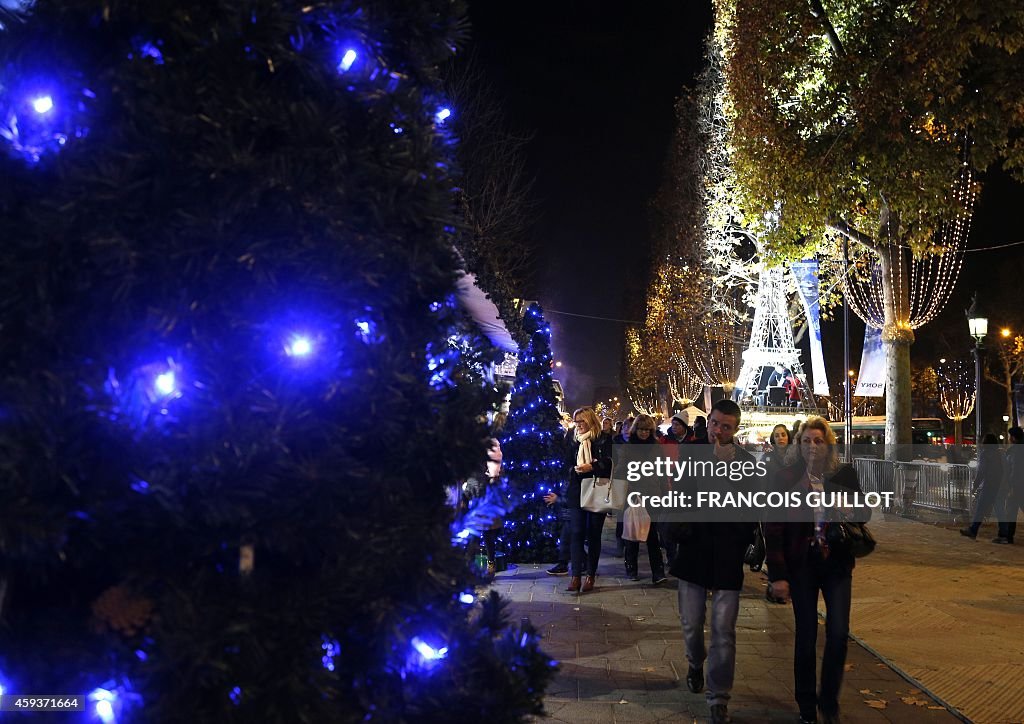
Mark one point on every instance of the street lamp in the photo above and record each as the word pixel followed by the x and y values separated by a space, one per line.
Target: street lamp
pixel 978 326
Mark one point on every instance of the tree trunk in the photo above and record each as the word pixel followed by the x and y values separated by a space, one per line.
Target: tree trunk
pixel 665 399
pixel 897 336
pixel 1009 394
pixel 958 432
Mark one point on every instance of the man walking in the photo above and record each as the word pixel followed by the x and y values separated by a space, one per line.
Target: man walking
pixel 1014 487
pixel 710 558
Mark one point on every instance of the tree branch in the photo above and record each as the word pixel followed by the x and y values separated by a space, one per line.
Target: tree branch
pixel 818 12
pixel 841 227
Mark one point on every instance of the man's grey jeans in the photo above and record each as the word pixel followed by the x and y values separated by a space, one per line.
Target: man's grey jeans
pixel 721 656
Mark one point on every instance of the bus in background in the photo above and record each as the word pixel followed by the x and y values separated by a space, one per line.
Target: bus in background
pixel 927 435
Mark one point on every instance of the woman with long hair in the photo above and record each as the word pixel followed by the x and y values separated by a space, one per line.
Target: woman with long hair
pixel 775 450
pixel 590 456
pixel 643 434
pixel 801 563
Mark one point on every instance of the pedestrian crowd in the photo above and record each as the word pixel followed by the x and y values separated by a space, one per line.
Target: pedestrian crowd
pixel 803 554
pixel 709 558
pixel 998 486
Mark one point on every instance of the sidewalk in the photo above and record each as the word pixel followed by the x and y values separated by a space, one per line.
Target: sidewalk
pixel 949 611
pixel 622 658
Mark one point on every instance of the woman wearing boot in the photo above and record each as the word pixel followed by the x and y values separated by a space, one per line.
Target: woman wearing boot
pixel 801 563
pixel 643 434
pixel 590 456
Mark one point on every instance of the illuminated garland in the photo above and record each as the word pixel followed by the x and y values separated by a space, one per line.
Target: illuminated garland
pixel 931 278
pixel 683 387
pixel 957 389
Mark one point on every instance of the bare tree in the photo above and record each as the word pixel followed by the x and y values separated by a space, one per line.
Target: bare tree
pixel 495 194
pixel 1006 365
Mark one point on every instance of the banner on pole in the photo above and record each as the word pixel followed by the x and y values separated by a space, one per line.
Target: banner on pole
pixel 806 273
pixel 871 382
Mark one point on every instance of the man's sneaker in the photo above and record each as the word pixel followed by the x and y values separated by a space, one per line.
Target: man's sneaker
pixel 720 714
pixel 824 718
pixel 968 533
pixel 659 579
pixel 1002 541
pixel 695 680
pixel 562 569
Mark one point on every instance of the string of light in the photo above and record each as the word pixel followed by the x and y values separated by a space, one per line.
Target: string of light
pixel 932 277
pixel 957 389
pixel 682 386
pixel 644 401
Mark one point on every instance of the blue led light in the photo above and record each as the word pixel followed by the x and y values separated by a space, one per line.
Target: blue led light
pixel 366 330
pixel 331 650
pixel 165 383
pixel 300 346
pixel 347 60
pixel 143 48
pixel 442 115
pixel 428 652
pixel 467 598
pixel 42 104
pixel 104 706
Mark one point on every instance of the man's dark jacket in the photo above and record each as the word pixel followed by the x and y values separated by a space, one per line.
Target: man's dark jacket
pixel 711 554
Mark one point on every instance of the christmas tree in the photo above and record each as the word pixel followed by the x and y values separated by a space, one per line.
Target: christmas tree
pixel 533 448
pixel 230 400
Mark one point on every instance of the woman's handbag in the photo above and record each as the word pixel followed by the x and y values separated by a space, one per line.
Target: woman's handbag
pixel 850 536
pixel 602 495
pixel 754 556
pixel 636 524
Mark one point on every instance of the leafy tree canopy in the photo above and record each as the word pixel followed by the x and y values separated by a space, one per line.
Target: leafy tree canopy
pixel 850 111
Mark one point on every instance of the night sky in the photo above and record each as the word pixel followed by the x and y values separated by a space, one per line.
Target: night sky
pixel 595 84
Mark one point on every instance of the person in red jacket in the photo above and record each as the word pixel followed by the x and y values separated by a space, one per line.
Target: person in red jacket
pixel 791 386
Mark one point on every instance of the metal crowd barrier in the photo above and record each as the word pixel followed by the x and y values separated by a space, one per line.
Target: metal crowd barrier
pixel 918 486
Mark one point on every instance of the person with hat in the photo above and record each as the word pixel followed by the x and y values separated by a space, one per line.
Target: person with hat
pixel 680 431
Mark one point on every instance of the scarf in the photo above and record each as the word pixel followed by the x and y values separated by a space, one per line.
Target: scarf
pixel 583 455
pixel 817 484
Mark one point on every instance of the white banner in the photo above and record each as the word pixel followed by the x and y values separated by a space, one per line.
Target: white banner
pixel 871 381
pixel 806 273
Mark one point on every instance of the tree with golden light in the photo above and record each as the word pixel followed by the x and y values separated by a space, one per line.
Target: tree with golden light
pixel 852 119
pixel 957 394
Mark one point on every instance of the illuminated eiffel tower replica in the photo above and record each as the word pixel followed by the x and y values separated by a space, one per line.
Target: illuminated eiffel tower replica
pixel 771 344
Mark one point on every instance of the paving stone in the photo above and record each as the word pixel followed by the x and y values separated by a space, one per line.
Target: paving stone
pixel 622 642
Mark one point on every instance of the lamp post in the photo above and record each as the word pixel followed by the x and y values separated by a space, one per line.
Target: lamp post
pixel 847 393
pixel 978 326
